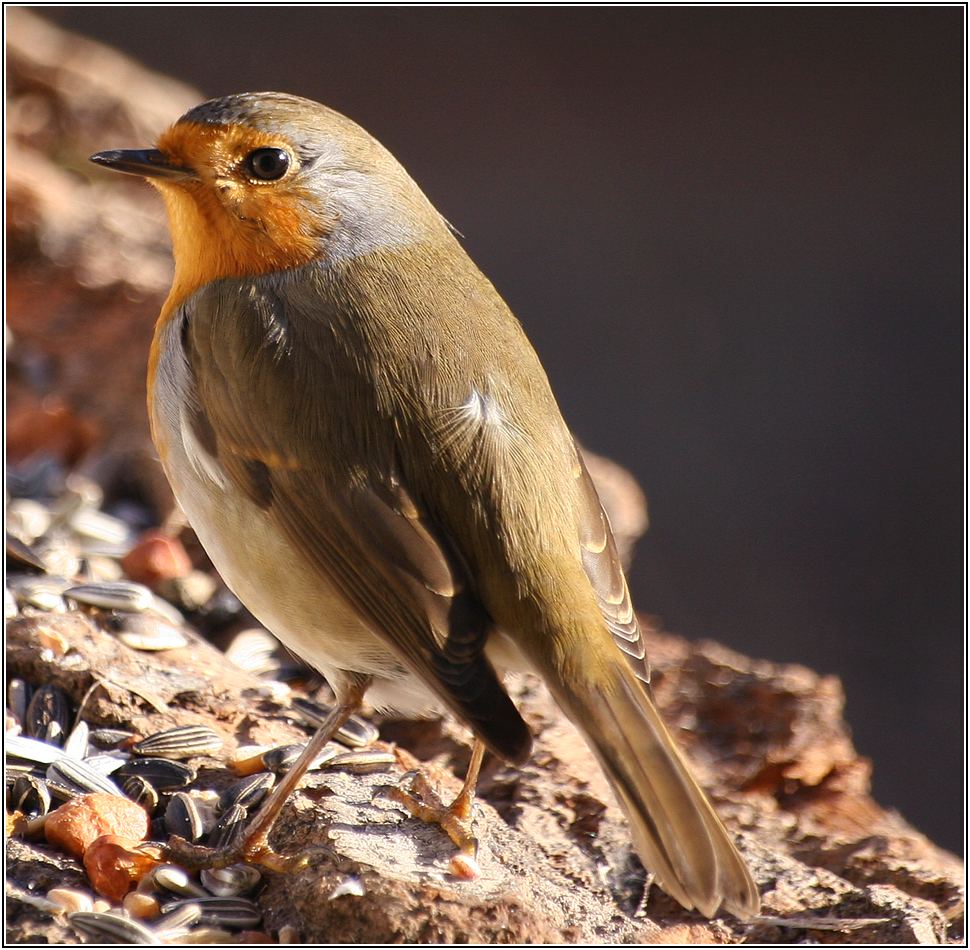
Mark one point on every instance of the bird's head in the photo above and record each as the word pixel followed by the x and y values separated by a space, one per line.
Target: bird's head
pixel 261 182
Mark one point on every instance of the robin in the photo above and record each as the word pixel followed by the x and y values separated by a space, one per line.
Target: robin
pixel 369 450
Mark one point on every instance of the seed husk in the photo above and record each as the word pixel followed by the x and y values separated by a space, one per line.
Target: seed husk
pixel 10 609
pixel 67 778
pixel 248 791
pixel 361 761
pixel 110 928
pixel 30 795
pixel 112 595
pixel 228 828
pixel 231 881
pixel 27 519
pixel 182 817
pixel 239 913
pixel 48 707
pixel 142 792
pixel 355 732
pixel 165 774
pixel 179 742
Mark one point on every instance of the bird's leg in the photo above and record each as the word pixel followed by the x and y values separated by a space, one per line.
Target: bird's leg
pixel 254 846
pixel 423 802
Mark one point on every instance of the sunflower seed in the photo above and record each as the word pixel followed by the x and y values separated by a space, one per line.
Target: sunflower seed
pixel 33 750
pixel 179 742
pixel 110 928
pixel 165 774
pixel 253 650
pixel 182 818
pixel 231 881
pixel 10 609
pixel 76 744
pixel 49 705
pixel 248 791
pixel 115 595
pixel 23 555
pixel 176 880
pixel 361 761
pixel 69 777
pixel 239 913
pixel 41 593
pixel 142 792
pixel 179 920
pixel 354 732
pixel 228 828
pixel 150 632
pixel 94 525
pixel 108 738
pixel 27 519
pixel 167 611
pixel 106 763
pixel 281 759
pixel 30 796
pixel 18 698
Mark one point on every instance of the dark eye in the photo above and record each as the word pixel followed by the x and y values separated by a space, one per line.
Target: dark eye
pixel 268 164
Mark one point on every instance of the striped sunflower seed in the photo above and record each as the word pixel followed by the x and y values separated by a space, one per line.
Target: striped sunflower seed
pixel 142 792
pixel 253 650
pixel 248 791
pixel 228 828
pixel 239 913
pixel 281 759
pixel 69 777
pixel 48 715
pixel 178 921
pixel 362 761
pixel 179 742
pixel 165 774
pixel 110 928
pixel 92 524
pixel 106 763
pixel 112 595
pixel 182 817
pixel 30 796
pixel 354 732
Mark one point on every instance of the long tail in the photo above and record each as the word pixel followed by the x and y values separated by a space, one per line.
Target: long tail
pixel 675 828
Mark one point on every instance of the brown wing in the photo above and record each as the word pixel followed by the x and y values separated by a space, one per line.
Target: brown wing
pixel 360 529
pixel 602 564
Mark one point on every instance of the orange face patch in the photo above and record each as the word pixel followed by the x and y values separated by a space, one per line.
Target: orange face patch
pixel 225 223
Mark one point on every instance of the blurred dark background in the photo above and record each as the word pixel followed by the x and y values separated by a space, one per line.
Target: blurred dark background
pixel 735 237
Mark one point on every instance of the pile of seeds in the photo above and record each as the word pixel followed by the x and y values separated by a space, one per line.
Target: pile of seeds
pixel 63 554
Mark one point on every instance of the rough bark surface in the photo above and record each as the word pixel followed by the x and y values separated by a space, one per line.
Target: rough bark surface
pixel 89 266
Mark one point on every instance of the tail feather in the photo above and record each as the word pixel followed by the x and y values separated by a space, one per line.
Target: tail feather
pixel 676 831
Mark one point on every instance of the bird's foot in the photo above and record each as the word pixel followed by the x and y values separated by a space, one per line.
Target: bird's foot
pixel 197 857
pixel 423 802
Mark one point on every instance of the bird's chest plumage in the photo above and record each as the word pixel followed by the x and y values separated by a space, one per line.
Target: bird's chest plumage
pixel 251 553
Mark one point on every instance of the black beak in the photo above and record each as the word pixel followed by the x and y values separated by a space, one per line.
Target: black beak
pixel 147 162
